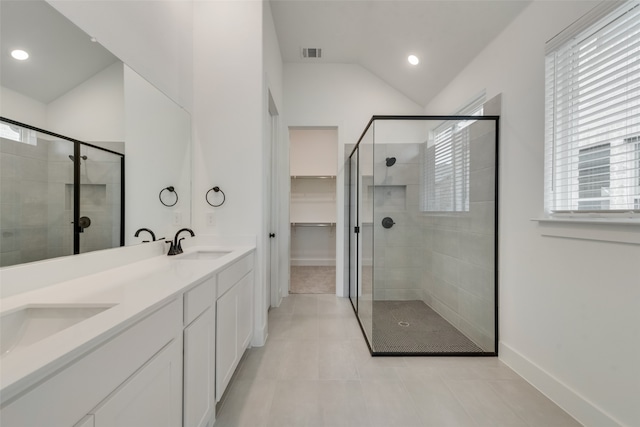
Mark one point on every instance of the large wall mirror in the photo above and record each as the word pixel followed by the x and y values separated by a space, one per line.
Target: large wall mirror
pixel 71 86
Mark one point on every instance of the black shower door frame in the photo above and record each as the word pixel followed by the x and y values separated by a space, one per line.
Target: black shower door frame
pixel 77 144
pixel 355 229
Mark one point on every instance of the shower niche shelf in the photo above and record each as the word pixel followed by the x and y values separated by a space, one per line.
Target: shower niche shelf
pixel 392 197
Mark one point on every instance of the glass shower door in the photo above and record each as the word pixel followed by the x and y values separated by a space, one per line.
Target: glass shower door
pixel 353 230
pixel 99 217
pixel 425 193
pixel 360 169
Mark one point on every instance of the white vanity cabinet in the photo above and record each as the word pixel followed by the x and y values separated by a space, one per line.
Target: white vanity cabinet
pixel 234 319
pixel 132 379
pixel 150 398
pixel 199 354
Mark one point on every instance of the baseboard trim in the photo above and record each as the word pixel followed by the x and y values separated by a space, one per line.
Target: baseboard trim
pixel 576 405
pixel 260 336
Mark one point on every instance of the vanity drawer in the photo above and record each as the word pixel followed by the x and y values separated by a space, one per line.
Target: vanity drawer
pixel 198 299
pixel 232 274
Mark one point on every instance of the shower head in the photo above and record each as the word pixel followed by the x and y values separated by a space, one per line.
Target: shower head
pixel 391 161
pixel 73 158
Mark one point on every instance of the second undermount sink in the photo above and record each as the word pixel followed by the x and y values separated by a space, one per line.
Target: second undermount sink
pixel 31 324
pixel 203 255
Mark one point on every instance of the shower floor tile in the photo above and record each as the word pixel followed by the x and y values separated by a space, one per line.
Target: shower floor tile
pixel 413 327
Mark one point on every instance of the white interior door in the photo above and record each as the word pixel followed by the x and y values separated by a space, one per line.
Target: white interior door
pixel 273 284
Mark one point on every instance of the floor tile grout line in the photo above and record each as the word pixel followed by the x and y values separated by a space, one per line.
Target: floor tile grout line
pixel 455 396
pixel 413 400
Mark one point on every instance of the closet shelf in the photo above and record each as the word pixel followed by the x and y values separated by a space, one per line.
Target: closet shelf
pixel 313 177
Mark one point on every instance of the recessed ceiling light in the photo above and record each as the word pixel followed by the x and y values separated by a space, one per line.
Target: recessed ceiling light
pixel 413 60
pixel 19 54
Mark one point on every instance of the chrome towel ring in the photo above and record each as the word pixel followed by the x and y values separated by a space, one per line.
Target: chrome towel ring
pixel 170 189
pixel 215 190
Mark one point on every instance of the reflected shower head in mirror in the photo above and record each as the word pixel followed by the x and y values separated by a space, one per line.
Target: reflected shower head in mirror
pixel 73 158
pixel 391 161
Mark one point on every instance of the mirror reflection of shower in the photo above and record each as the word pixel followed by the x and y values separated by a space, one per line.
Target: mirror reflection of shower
pixel 41 215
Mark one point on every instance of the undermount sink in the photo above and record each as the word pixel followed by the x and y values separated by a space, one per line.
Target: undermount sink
pixel 31 324
pixel 200 255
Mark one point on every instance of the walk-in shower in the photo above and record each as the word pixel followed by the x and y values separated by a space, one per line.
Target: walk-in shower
pixel 51 206
pixel 422 235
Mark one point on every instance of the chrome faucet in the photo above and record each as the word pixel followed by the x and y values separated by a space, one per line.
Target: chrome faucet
pixel 153 236
pixel 176 245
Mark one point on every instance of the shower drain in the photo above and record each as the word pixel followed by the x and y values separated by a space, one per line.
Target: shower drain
pixel 403 324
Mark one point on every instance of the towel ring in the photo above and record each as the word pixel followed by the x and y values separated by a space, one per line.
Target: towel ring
pixel 215 190
pixel 171 190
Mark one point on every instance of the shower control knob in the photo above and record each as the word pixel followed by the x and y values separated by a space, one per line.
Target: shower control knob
pixel 272 235
pixel 83 222
pixel 387 222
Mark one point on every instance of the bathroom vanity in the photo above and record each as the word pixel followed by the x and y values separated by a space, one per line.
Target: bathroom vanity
pixel 151 343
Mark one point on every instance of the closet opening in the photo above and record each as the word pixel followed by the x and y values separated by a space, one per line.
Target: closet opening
pixel 313 168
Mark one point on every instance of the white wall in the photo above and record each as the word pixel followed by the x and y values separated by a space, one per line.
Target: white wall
pixel 157 155
pixel 313 152
pixel 568 308
pixel 152 37
pixel 93 110
pixel 272 57
pixel 228 126
pixel 15 106
pixel 344 96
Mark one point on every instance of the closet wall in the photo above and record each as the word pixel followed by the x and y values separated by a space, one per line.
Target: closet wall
pixel 313 167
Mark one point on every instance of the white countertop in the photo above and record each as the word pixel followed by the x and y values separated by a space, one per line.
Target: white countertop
pixel 136 289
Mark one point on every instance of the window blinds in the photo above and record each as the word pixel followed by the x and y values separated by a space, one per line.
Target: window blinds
pixel 445 173
pixel 593 117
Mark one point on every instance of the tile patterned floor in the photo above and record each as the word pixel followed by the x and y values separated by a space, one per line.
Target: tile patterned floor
pixel 413 327
pixel 315 370
pixel 313 280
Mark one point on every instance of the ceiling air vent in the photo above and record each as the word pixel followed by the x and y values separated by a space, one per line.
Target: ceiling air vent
pixel 311 52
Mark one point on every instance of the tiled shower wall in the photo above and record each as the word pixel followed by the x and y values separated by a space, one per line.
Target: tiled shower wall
pixel 459 273
pixel 23 202
pixel 399 251
pixel 445 260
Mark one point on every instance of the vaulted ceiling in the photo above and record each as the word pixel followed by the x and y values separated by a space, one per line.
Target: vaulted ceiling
pixel 376 34
pixel 379 35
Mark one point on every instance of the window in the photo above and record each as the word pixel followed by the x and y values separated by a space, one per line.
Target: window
pixel 592 141
pixel 446 164
pixel 17 133
pixel 594 177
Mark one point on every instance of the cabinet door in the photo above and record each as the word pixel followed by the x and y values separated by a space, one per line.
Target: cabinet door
pixel 152 397
pixel 199 386
pixel 226 333
pixel 245 313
